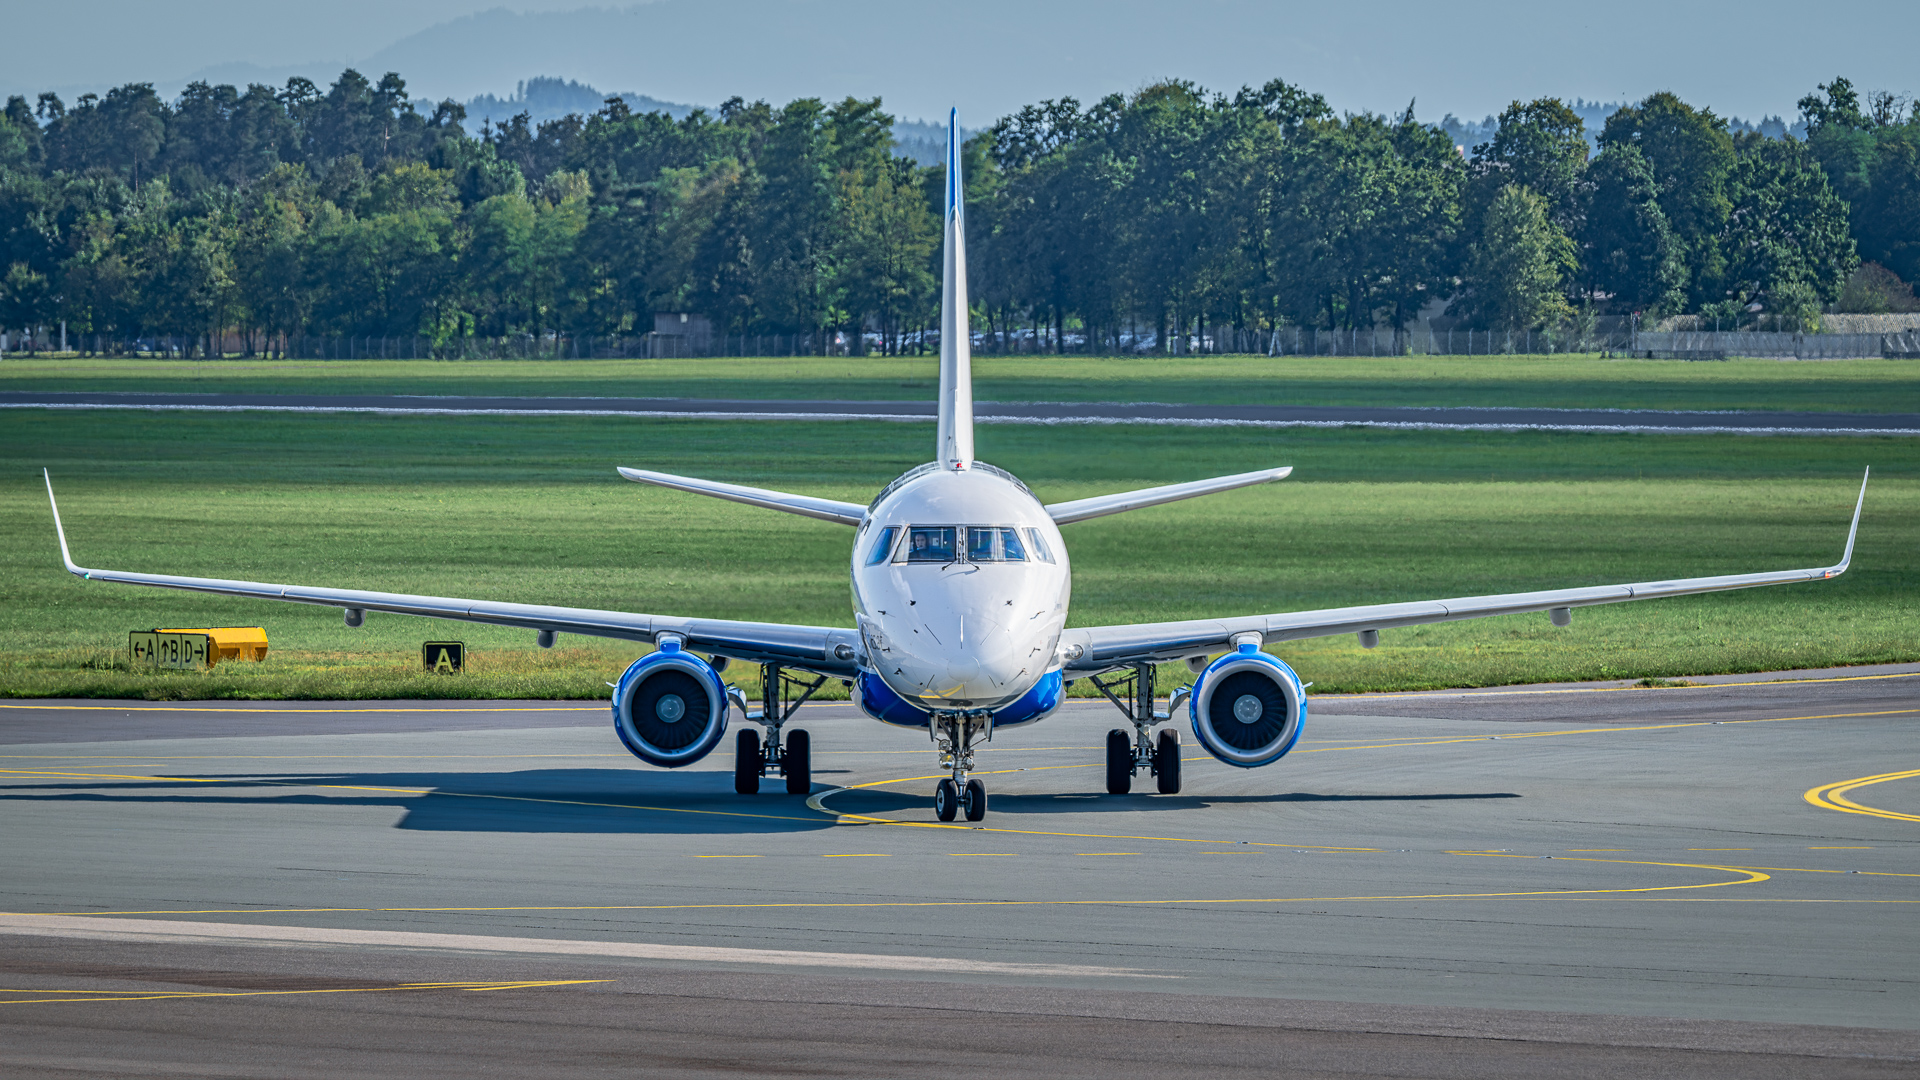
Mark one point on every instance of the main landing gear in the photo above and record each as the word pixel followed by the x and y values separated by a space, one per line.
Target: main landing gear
pixel 1130 754
pixel 958 794
pixel 753 759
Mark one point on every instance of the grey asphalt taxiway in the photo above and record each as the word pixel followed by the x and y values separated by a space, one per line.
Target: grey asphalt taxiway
pixel 1005 412
pixel 1715 880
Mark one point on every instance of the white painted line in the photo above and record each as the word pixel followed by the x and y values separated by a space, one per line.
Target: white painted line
pixel 206 933
pixel 914 418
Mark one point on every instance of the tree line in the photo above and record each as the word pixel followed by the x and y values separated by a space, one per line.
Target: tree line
pixel 1143 218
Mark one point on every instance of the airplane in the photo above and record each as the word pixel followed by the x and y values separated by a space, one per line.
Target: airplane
pixel 961 583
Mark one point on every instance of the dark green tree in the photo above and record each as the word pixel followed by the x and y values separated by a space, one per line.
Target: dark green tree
pixel 1631 253
pixel 122 132
pixel 1691 156
pixel 22 139
pixel 1518 265
pixel 1786 224
pixel 1541 146
pixel 1886 220
pixel 886 256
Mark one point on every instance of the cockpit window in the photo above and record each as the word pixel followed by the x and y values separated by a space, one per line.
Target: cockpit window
pixel 994 544
pixel 951 543
pixel 883 547
pixel 931 543
pixel 1040 549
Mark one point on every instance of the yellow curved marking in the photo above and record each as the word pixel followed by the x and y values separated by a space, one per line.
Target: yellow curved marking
pixel 1805 870
pixel 1731 900
pixel 1834 796
pixel 1744 876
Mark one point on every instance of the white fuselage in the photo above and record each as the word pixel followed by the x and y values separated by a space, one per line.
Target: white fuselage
pixel 963 607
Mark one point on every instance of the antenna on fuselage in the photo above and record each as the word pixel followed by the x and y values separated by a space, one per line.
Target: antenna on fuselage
pixel 956 355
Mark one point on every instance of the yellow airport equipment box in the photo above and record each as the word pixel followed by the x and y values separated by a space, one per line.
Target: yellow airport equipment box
pixel 196 647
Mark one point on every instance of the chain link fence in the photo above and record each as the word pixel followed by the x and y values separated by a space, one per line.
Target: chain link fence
pixel 1285 341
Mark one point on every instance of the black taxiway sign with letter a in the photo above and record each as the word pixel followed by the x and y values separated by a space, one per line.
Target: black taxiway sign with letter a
pixel 443 657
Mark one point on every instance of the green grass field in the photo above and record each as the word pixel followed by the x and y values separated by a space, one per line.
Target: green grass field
pixel 1532 381
pixel 529 509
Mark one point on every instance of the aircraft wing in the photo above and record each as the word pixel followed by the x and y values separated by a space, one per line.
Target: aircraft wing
pixel 1101 648
pixel 845 513
pixel 1063 513
pixel 823 649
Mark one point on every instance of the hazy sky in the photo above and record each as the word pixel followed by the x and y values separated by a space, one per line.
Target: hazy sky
pixel 991 56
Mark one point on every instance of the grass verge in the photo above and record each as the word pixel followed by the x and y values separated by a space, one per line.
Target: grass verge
pixel 1572 382
pixel 529 509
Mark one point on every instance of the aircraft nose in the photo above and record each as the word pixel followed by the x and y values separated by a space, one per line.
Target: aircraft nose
pixel 990 668
pixel 961 659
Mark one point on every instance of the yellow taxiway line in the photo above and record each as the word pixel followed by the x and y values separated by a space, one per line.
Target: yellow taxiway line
pixel 1741 876
pixel 1834 796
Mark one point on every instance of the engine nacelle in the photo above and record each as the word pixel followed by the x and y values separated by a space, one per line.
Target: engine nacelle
pixel 670 707
pixel 1248 708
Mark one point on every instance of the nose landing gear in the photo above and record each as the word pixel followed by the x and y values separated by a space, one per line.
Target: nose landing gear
pixel 955 733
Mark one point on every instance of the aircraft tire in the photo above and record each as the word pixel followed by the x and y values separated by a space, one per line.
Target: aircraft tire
pixel 1119 762
pixel 946 800
pixel 747 762
pixel 797 762
pixel 1166 761
pixel 974 800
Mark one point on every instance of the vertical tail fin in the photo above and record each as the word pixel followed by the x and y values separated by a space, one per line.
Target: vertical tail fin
pixel 956 355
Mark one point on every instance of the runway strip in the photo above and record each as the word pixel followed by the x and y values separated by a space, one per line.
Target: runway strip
pixel 991 412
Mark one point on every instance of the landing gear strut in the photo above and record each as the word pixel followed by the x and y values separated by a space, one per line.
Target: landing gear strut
pixel 1130 754
pixel 954 733
pixel 794 760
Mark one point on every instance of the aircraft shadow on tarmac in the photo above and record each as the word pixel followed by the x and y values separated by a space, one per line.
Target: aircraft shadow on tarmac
pixel 533 801
pixel 871 801
pixel 616 800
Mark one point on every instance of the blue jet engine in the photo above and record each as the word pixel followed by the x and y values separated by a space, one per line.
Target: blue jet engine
pixel 670 707
pixel 1248 708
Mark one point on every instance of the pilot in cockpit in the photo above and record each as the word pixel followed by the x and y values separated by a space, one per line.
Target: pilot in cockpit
pixel 931 544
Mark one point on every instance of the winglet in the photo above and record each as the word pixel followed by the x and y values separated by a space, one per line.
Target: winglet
pixel 1853 530
pixel 59 529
